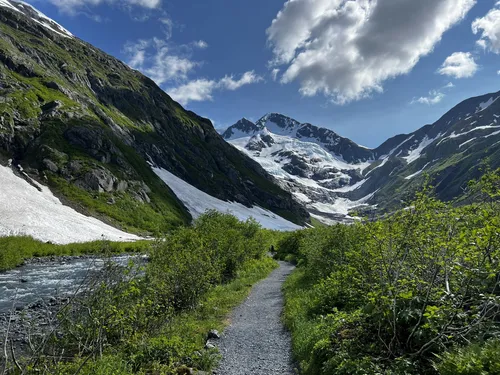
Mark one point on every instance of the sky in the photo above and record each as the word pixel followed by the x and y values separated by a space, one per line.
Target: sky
pixel 367 69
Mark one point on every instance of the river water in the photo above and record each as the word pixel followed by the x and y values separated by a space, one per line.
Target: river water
pixel 48 278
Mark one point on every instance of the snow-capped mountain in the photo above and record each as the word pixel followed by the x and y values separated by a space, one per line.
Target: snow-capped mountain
pixel 334 176
pixel 37 16
pixel 315 164
pixel 81 129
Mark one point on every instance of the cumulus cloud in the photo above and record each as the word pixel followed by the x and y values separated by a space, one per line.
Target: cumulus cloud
pixel 489 28
pixel 73 6
pixel 196 91
pixel 434 97
pixel 346 49
pixel 459 65
pixel 202 89
pixel 155 58
pixel 165 64
pixel 229 83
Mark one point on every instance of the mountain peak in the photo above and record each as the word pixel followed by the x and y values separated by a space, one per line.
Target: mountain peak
pixel 278 123
pixel 243 128
pixel 36 16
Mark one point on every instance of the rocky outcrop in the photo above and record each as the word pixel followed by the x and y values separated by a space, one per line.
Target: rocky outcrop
pixel 87 118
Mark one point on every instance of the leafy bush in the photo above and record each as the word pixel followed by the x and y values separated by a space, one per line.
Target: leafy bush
pixel 387 296
pixel 473 359
pixel 157 316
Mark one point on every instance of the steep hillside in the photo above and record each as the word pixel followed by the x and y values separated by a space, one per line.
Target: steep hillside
pixel 452 151
pixel 334 176
pixel 91 127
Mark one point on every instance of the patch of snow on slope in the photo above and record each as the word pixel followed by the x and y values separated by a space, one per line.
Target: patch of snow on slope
pixel 347 189
pixel 290 129
pixel 26 211
pixel 483 106
pixel 7 4
pixel 416 153
pixel 484 127
pixel 238 133
pixel 416 173
pixel 384 157
pixel 198 202
pixel 37 16
pixel 385 160
pixel 343 205
pixel 470 140
pixel 301 197
pixel 307 150
pixel 492 134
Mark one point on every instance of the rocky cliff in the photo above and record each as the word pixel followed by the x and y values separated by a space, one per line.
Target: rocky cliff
pixel 91 127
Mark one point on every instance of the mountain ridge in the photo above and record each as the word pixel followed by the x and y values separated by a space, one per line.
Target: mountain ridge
pixel 87 125
pixel 450 150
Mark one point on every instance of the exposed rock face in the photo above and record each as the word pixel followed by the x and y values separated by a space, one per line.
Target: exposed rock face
pixel 89 119
pixel 334 176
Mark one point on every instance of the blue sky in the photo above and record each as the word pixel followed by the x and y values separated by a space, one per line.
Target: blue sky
pixel 368 69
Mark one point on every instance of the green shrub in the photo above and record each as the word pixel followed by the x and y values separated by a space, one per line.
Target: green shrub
pixel 157 316
pixel 475 359
pixel 388 296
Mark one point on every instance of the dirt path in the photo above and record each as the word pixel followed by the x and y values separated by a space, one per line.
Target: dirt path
pixel 256 343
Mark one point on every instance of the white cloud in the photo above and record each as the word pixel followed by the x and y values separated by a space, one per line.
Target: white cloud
pixel 73 6
pixel 346 49
pixel 274 73
pixel 202 89
pixel 489 28
pixel 229 83
pixel 201 44
pixel 434 98
pixel 168 26
pixel 459 65
pixel 199 90
pixel 155 59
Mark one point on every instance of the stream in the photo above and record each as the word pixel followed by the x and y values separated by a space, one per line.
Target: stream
pixel 45 278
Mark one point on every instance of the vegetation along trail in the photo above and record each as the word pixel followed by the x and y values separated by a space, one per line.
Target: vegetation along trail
pixel 256 342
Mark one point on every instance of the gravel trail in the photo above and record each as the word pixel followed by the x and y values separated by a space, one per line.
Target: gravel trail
pixel 256 342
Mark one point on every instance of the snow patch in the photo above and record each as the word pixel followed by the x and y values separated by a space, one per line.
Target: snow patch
pixel 27 211
pixel 416 153
pixel 7 4
pixel 470 140
pixel 416 173
pixel 486 104
pixel 384 157
pixel 37 16
pixel 347 189
pixel 484 127
pixel 198 202
pixel 385 160
pixel 492 134
pixel 342 206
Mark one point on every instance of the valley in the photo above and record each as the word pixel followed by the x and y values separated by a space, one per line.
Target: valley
pixel 135 239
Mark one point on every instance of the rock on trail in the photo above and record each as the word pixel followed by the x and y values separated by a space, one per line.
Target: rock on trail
pixel 256 342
